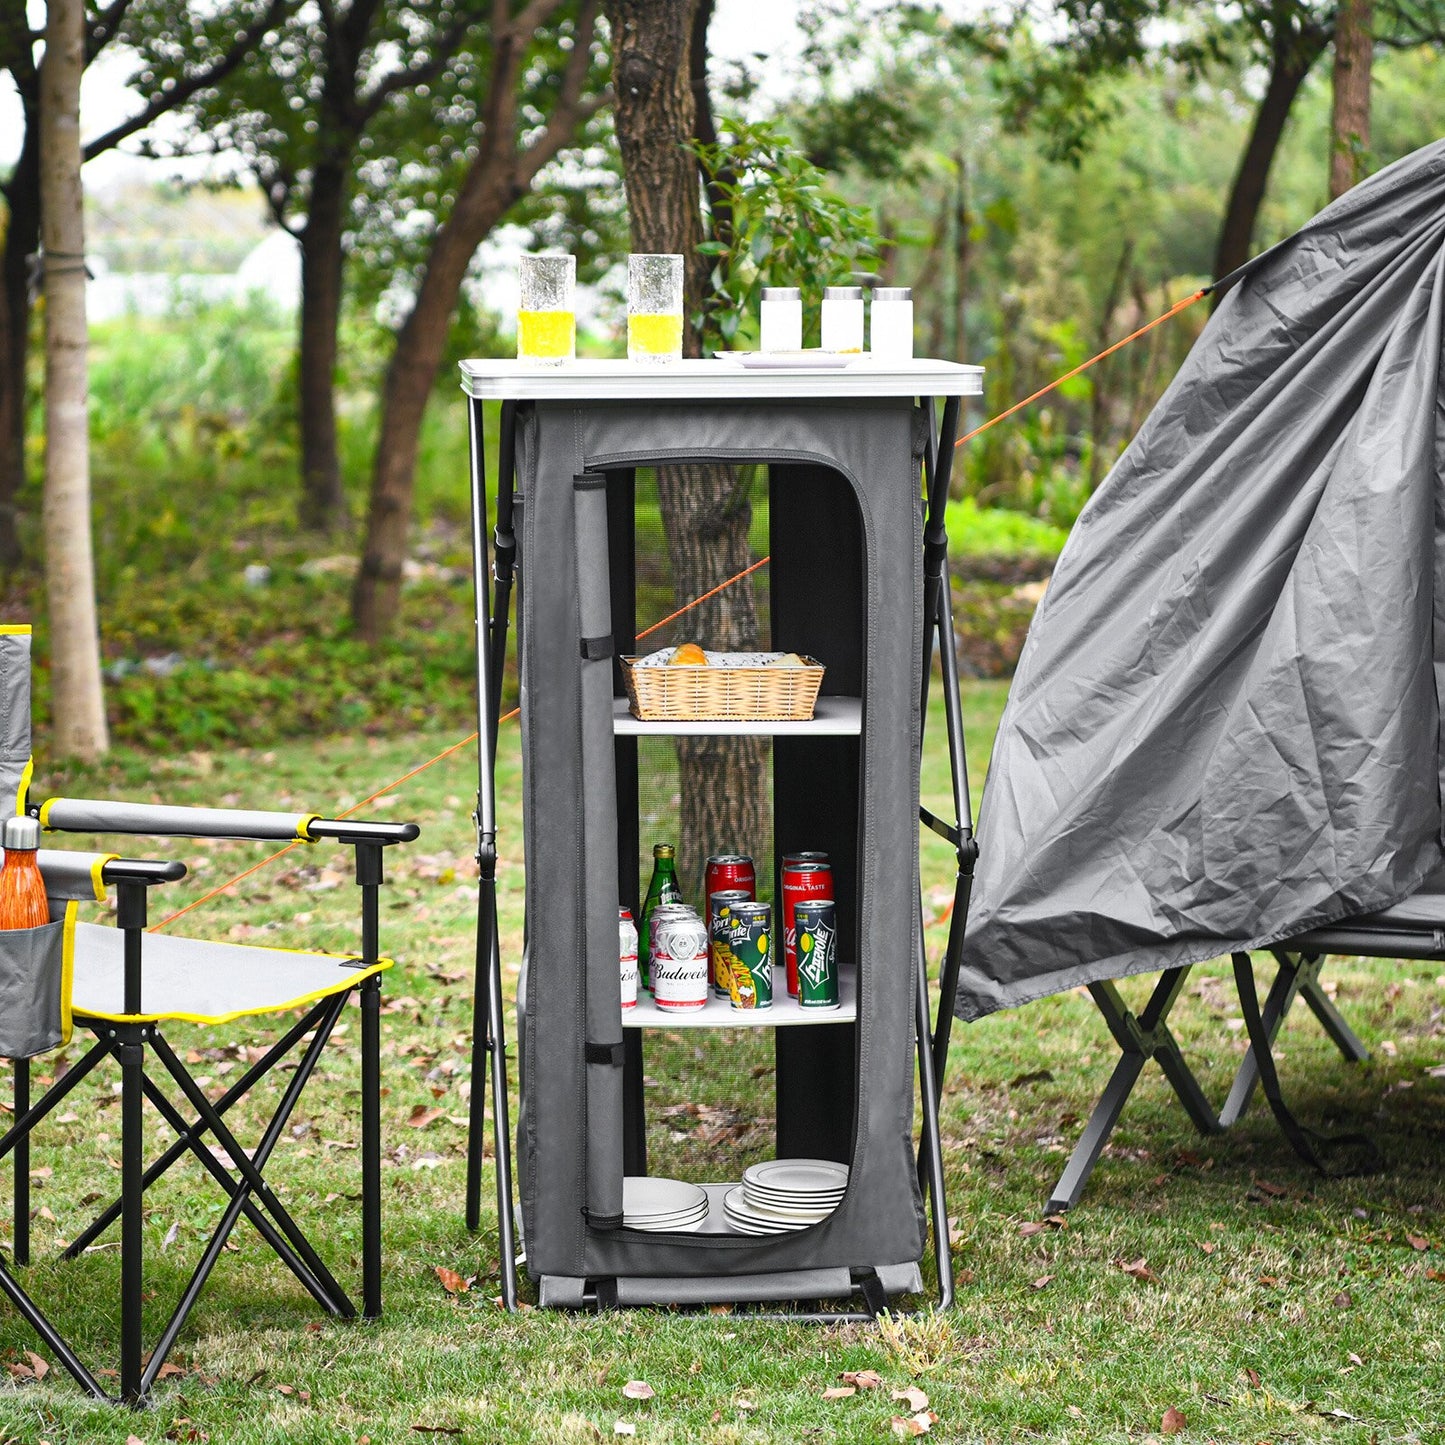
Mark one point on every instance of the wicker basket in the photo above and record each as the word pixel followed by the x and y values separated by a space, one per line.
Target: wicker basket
pixel 722 694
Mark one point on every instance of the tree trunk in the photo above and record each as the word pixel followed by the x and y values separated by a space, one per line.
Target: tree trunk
pixel 22 240
pixel 1292 56
pixel 705 514
pixel 962 255
pixel 323 501
pixel 76 701
pixel 1350 105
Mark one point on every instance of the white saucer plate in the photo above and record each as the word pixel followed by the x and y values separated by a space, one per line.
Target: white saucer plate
pixel 644 1196
pixel 806 1177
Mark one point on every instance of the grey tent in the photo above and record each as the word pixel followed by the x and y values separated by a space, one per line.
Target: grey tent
pixel 1225 729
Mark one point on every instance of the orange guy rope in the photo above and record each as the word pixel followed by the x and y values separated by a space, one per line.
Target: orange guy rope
pixel 673 616
pixel 1058 381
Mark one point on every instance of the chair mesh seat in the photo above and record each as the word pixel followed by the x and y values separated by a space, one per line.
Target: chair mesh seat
pixel 204 983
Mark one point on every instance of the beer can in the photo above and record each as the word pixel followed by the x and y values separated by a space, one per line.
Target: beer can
pixel 627 956
pixel 717 903
pixel 679 955
pixel 730 870
pixel 801 881
pixel 816 923
pixel 747 929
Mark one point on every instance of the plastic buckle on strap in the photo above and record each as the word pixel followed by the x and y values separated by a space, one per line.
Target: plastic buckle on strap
pixel 596 649
pixel 605 1293
pixel 603 1054
pixel 875 1297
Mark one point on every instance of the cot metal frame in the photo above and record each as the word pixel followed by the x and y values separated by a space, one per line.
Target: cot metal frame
pixel 489 1037
pixel 1147 1036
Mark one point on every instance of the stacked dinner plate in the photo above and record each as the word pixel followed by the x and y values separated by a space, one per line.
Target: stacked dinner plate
pixel 783 1195
pixel 662 1206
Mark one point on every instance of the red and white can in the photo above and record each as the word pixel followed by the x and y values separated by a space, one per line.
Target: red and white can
pixel 726 871
pixel 627 956
pixel 680 959
pixel 805 877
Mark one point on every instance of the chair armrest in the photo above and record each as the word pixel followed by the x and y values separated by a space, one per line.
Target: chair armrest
pixel 148 871
pixel 83 877
pixel 83 815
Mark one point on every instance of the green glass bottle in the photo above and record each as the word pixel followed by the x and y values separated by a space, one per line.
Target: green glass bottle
pixel 662 889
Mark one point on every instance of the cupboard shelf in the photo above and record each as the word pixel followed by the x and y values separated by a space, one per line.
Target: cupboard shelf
pixel 720 1014
pixel 832 716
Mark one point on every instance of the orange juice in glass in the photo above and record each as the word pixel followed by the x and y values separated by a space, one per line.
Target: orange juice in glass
pixel 654 308
pixel 547 314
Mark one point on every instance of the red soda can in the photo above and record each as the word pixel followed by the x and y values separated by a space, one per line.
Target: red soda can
pixel 803 880
pixel 730 870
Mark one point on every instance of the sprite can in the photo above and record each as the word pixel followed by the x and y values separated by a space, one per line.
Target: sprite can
pixel 747 939
pixel 719 918
pixel 817 930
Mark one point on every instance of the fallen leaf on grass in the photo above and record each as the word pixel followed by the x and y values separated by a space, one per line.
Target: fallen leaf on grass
pixel 913 1397
pixel 864 1379
pixel 1345 1299
pixel 638 1390
pixel 1208 1246
pixel 839 1392
pixel 1253 1377
pixel 1272 1280
pixel 40 1368
pixel 1435 1274
pixel 1173 1422
pixel 421 1116
pixel 453 1282
pixel 1042 1282
pixel 1417 1242
pixel 1355 1359
pixel 1138 1269
pixel 1031 1227
pixel 1275 1191
pixel 908 1426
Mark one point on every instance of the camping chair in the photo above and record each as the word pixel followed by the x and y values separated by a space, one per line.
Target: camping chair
pixel 125 986
pixel 1146 1035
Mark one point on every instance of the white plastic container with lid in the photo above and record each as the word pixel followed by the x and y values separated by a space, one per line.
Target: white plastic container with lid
pixel 892 324
pixel 843 318
pixel 781 319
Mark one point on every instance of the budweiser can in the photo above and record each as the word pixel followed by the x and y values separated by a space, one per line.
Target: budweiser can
pixel 627 956
pixel 802 880
pixel 719 907
pixel 679 959
pixel 730 870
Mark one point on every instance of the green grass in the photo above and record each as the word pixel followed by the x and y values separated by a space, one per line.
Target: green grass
pixel 1243 1330
pixel 999 532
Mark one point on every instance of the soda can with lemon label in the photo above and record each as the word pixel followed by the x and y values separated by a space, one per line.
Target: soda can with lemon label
pixel 748 939
pixel 817 930
pixel 719 918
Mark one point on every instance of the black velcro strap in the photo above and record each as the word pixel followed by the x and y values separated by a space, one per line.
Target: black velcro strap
pixel 604 1291
pixel 589 481
pixel 875 1297
pixel 602 1221
pixel 596 649
pixel 603 1054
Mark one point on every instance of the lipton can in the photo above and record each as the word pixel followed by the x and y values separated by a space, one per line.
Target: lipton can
pixel 718 911
pixel 816 923
pixel 802 881
pixel 679 955
pixel 748 937
pixel 627 956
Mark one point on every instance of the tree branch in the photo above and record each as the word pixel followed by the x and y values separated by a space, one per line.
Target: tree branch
pixel 102 32
pixel 421 73
pixel 570 109
pixel 184 89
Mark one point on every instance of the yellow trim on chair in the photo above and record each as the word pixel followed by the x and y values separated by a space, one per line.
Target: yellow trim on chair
pixel 12 629
pixel 347 981
pixel 303 827
pixel 44 813
pixel 24 787
pixel 67 970
pixel 101 859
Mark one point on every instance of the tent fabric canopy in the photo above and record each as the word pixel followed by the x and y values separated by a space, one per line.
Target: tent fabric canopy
pixel 1225 727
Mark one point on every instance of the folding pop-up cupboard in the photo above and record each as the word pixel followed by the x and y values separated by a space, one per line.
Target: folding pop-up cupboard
pixel 857 474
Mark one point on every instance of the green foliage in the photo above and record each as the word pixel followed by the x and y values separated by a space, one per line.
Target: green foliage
pixel 975 531
pixel 785 226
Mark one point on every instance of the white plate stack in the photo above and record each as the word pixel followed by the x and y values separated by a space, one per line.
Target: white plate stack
pixel 783 1195
pixel 662 1206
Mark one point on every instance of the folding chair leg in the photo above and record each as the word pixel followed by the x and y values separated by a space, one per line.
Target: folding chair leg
pixel 371 1148
pixel 189 1135
pixel 1332 1021
pixel 1140 1039
pixel 132 1189
pixel 22 1164
pixel 47 1332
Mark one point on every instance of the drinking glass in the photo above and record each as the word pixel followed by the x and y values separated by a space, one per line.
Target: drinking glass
pixel 654 308
pixel 547 315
